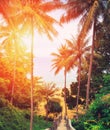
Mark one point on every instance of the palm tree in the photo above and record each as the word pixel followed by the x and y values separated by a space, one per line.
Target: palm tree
pixel 90 11
pixel 33 13
pixel 48 91
pixel 11 35
pixel 76 56
pixel 81 38
pixel 60 62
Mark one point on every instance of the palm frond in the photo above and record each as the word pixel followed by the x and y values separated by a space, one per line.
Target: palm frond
pixel 49 6
pixel 73 10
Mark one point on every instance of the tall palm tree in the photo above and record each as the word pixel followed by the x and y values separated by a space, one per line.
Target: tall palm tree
pixel 11 35
pixel 90 11
pixel 76 53
pixel 59 63
pixel 33 13
pixel 82 37
pixel 98 9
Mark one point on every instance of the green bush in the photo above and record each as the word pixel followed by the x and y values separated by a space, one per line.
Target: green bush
pixel 79 125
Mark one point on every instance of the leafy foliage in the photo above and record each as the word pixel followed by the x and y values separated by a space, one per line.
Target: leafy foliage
pixel 71 101
pixel 53 107
pixel 98 115
pixel 48 90
pixel 12 118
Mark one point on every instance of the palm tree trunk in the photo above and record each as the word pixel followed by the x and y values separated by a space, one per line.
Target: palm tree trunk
pixel 78 90
pixel 14 73
pixel 32 82
pixel 90 69
pixel 47 108
pixel 65 92
pixel 13 82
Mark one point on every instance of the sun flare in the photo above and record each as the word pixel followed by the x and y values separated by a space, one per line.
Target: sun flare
pixel 27 39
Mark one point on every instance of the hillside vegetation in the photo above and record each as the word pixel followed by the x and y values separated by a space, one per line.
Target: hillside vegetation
pixel 12 118
pixel 97 116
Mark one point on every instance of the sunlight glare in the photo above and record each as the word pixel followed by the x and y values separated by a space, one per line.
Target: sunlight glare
pixel 28 76
pixel 27 41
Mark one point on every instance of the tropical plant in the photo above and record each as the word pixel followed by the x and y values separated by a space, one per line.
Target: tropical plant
pixel 11 35
pixel 21 94
pixel 32 14
pixel 102 51
pixel 48 91
pixel 77 52
pixel 77 12
pixel 54 107
pixel 59 63
pixel 90 11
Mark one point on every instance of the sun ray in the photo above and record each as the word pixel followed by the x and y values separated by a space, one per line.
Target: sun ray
pixel 27 41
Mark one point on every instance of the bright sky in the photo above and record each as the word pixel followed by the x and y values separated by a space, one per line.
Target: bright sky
pixel 43 49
